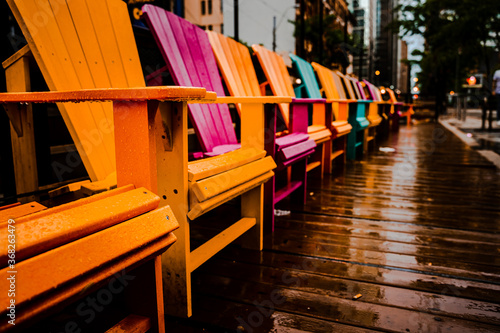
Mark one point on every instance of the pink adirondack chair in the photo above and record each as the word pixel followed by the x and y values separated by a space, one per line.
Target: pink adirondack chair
pixel 191 62
pixel 384 107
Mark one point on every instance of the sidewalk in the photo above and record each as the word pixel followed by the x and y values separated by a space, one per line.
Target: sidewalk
pixel 486 142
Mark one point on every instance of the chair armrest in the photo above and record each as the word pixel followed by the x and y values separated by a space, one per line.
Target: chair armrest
pixel 247 100
pixel 165 93
pixel 308 100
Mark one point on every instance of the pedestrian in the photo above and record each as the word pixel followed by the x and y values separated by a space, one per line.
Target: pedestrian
pixel 496 91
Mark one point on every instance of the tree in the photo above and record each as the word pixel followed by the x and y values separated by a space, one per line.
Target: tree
pixel 459 34
pixel 335 46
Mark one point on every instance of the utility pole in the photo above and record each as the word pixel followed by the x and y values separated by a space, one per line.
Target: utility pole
pixel 302 33
pixel 236 21
pixel 361 54
pixel 344 69
pixel 320 42
pixel 408 82
pixel 274 33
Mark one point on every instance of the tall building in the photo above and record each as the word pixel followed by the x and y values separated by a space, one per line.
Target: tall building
pixel 344 22
pixel 386 62
pixel 207 14
pixel 360 29
pixel 403 72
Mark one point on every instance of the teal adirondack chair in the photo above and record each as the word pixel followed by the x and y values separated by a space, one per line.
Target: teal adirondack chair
pixel 357 118
pixel 310 88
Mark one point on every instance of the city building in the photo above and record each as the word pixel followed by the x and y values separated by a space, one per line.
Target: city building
pixel 344 23
pixel 386 60
pixel 207 14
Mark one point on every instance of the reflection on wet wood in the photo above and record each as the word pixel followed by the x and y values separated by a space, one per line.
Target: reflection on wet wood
pixel 415 232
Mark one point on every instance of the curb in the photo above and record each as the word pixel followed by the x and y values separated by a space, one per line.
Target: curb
pixel 488 154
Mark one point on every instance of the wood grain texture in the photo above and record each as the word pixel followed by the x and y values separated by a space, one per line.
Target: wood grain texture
pixel 415 232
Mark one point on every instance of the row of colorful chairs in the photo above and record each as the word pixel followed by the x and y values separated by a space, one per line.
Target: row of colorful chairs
pixel 87 53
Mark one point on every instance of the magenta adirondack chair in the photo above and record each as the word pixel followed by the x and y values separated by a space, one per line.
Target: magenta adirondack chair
pixel 191 62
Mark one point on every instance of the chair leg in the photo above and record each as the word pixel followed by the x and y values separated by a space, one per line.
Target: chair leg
pixel 299 173
pixel 252 203
pixel 269 198
pixel 144 293
pixel 365 140
pixel 351 145
pixel 173 191
pixel 327 157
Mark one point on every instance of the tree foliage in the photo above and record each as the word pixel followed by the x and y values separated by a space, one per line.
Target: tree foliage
pixel 335 46
pixel 459 34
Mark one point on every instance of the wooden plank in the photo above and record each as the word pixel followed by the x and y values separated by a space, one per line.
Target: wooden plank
pixel 290 152
pixel 351 270
pixel 72 291
pixel 210 187
pixel 173 190
pixel 54 61
pixel 438 215
pixel 19 211
pixel 306 72
pixel 454 252
pixel 286 190
pixel 211 166
pixel 190 66
pixel 207 205
pixel 337 154
pixel 46 232
pixel 278 86
pixel 217 315
pixel 9 206
pixel 313 165
pixel 217 243
pixel 250 100
pixel 133 324
pixel 39 276
pixel 22 132
pixel 291 139
pixel 74 204
pixel 112 94
pixel 23 52
pixel 342 288
pixel 346 311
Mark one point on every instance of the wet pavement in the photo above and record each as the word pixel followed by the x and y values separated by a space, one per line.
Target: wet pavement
pixel 487 138
pixel 407 240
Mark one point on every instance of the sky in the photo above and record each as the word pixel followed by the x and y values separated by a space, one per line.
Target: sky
pixel 256 22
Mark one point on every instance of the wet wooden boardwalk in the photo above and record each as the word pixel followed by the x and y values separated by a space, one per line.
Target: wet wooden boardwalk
pixel 414 232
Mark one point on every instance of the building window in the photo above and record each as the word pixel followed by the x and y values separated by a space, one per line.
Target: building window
pixel 222 28
pixel 209 7
pixel 203 7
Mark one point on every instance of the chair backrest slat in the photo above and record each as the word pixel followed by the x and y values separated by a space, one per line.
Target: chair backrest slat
pixel 83 45
pixel 326 77
pixel 274 68
pixel 236 65
pixel 361 90
pixel 190 60
pixel 307 74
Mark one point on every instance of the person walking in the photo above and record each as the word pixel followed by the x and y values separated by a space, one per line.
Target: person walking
pixel 496 91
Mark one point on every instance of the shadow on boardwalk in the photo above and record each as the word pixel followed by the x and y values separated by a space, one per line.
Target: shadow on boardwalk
pixel 405 241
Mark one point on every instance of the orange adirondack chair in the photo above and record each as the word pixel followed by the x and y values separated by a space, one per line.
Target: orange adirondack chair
pixel 399 106
pixel 188 54
pixel 309 87
pixel 89 44
pixel 342 90
pixel 384 107
pixel 278 80
pixel 371 113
